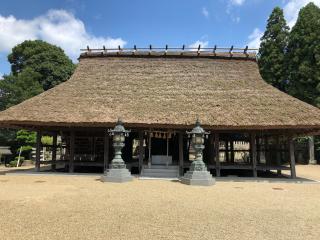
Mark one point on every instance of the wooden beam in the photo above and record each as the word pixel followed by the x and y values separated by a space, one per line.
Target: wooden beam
pixel 181 169
pixel 105 151
pixel 71 152
pixel 141 150
pixel 292 158
pixel 253 151
pixel 54 151
pixel 216 153
pixel 38 151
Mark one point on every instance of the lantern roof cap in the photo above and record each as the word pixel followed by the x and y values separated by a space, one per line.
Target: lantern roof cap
pixel 198 129
pixel 119 128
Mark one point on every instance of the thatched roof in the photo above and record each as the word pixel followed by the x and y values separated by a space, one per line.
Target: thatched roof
pixel 165 91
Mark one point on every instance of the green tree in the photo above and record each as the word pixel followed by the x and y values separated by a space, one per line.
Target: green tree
pixel 26 140
pixel 46 59
pixel 36 66
pixel 47 140
pixel 17 88
pixel 272 50
pixel 303 56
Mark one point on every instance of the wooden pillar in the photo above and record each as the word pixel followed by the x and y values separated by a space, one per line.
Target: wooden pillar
pixel 311 150
pixel 149 149
pixel 292 159
pixel 216 153
pixel 105 151
pixel 181 169
pixel 253 152
pixel 71 152
pixel 38 151
pixel 211 151
pixel 266 150
pixel 227 151
pixel 54 151
pixel 278 149
pixel 258 149
pixel 232 150
pixel 141 151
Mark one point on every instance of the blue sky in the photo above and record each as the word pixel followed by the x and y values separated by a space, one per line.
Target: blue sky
pixel 73 24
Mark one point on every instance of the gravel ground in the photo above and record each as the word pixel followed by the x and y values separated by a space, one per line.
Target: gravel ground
pixel 82 207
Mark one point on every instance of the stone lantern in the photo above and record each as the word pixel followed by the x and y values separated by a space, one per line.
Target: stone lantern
pixel 117 171
pixel 198 173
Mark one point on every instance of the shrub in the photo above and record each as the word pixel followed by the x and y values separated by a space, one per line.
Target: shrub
pixel 14 162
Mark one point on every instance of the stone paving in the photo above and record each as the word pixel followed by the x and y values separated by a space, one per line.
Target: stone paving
pixel 82 207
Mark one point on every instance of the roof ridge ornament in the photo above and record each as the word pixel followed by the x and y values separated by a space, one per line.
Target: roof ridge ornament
pixel 166 51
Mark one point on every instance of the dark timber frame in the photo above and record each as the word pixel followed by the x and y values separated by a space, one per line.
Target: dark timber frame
pixel 266 151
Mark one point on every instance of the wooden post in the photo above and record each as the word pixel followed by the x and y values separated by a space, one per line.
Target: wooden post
pixel 54 152
pixel 105 151
pixel 227 151
pixel 292 159
pixel 211 151
pixel 71 153
pixel 258 150
pixel 141 151
pixel 149 149
pixel 266 150
pixel 181 169
pixel 38 151
pixel 311 150
pixel 278 155
pixel 232 150
pixel 216 153
pixel 253 151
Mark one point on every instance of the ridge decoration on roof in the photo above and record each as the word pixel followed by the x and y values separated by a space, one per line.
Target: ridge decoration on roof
pixel 172 52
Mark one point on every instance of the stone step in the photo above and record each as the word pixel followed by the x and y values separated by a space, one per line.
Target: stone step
pixel 160 175
pixel 160 172
pixel 161 167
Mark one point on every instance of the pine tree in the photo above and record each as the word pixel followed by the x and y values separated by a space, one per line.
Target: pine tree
pixel 272 50
pixel 303 56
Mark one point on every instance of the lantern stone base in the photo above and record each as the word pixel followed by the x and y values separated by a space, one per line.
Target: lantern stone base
pixel 198 178
pixel 119 175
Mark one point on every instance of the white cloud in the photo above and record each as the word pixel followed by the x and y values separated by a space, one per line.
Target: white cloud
pixel 1 75
pixel 254 38
pixel 205 12
pixel 292 7
pixel 58 27
pixel 236 2
pixel 196 44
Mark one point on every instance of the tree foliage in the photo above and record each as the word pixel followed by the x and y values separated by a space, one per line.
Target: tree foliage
pixel 36 66
pixel 43 58
pixel 17 88
pixel 26 140
pixel 303 56
pixel 272 50
pixel 47 140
